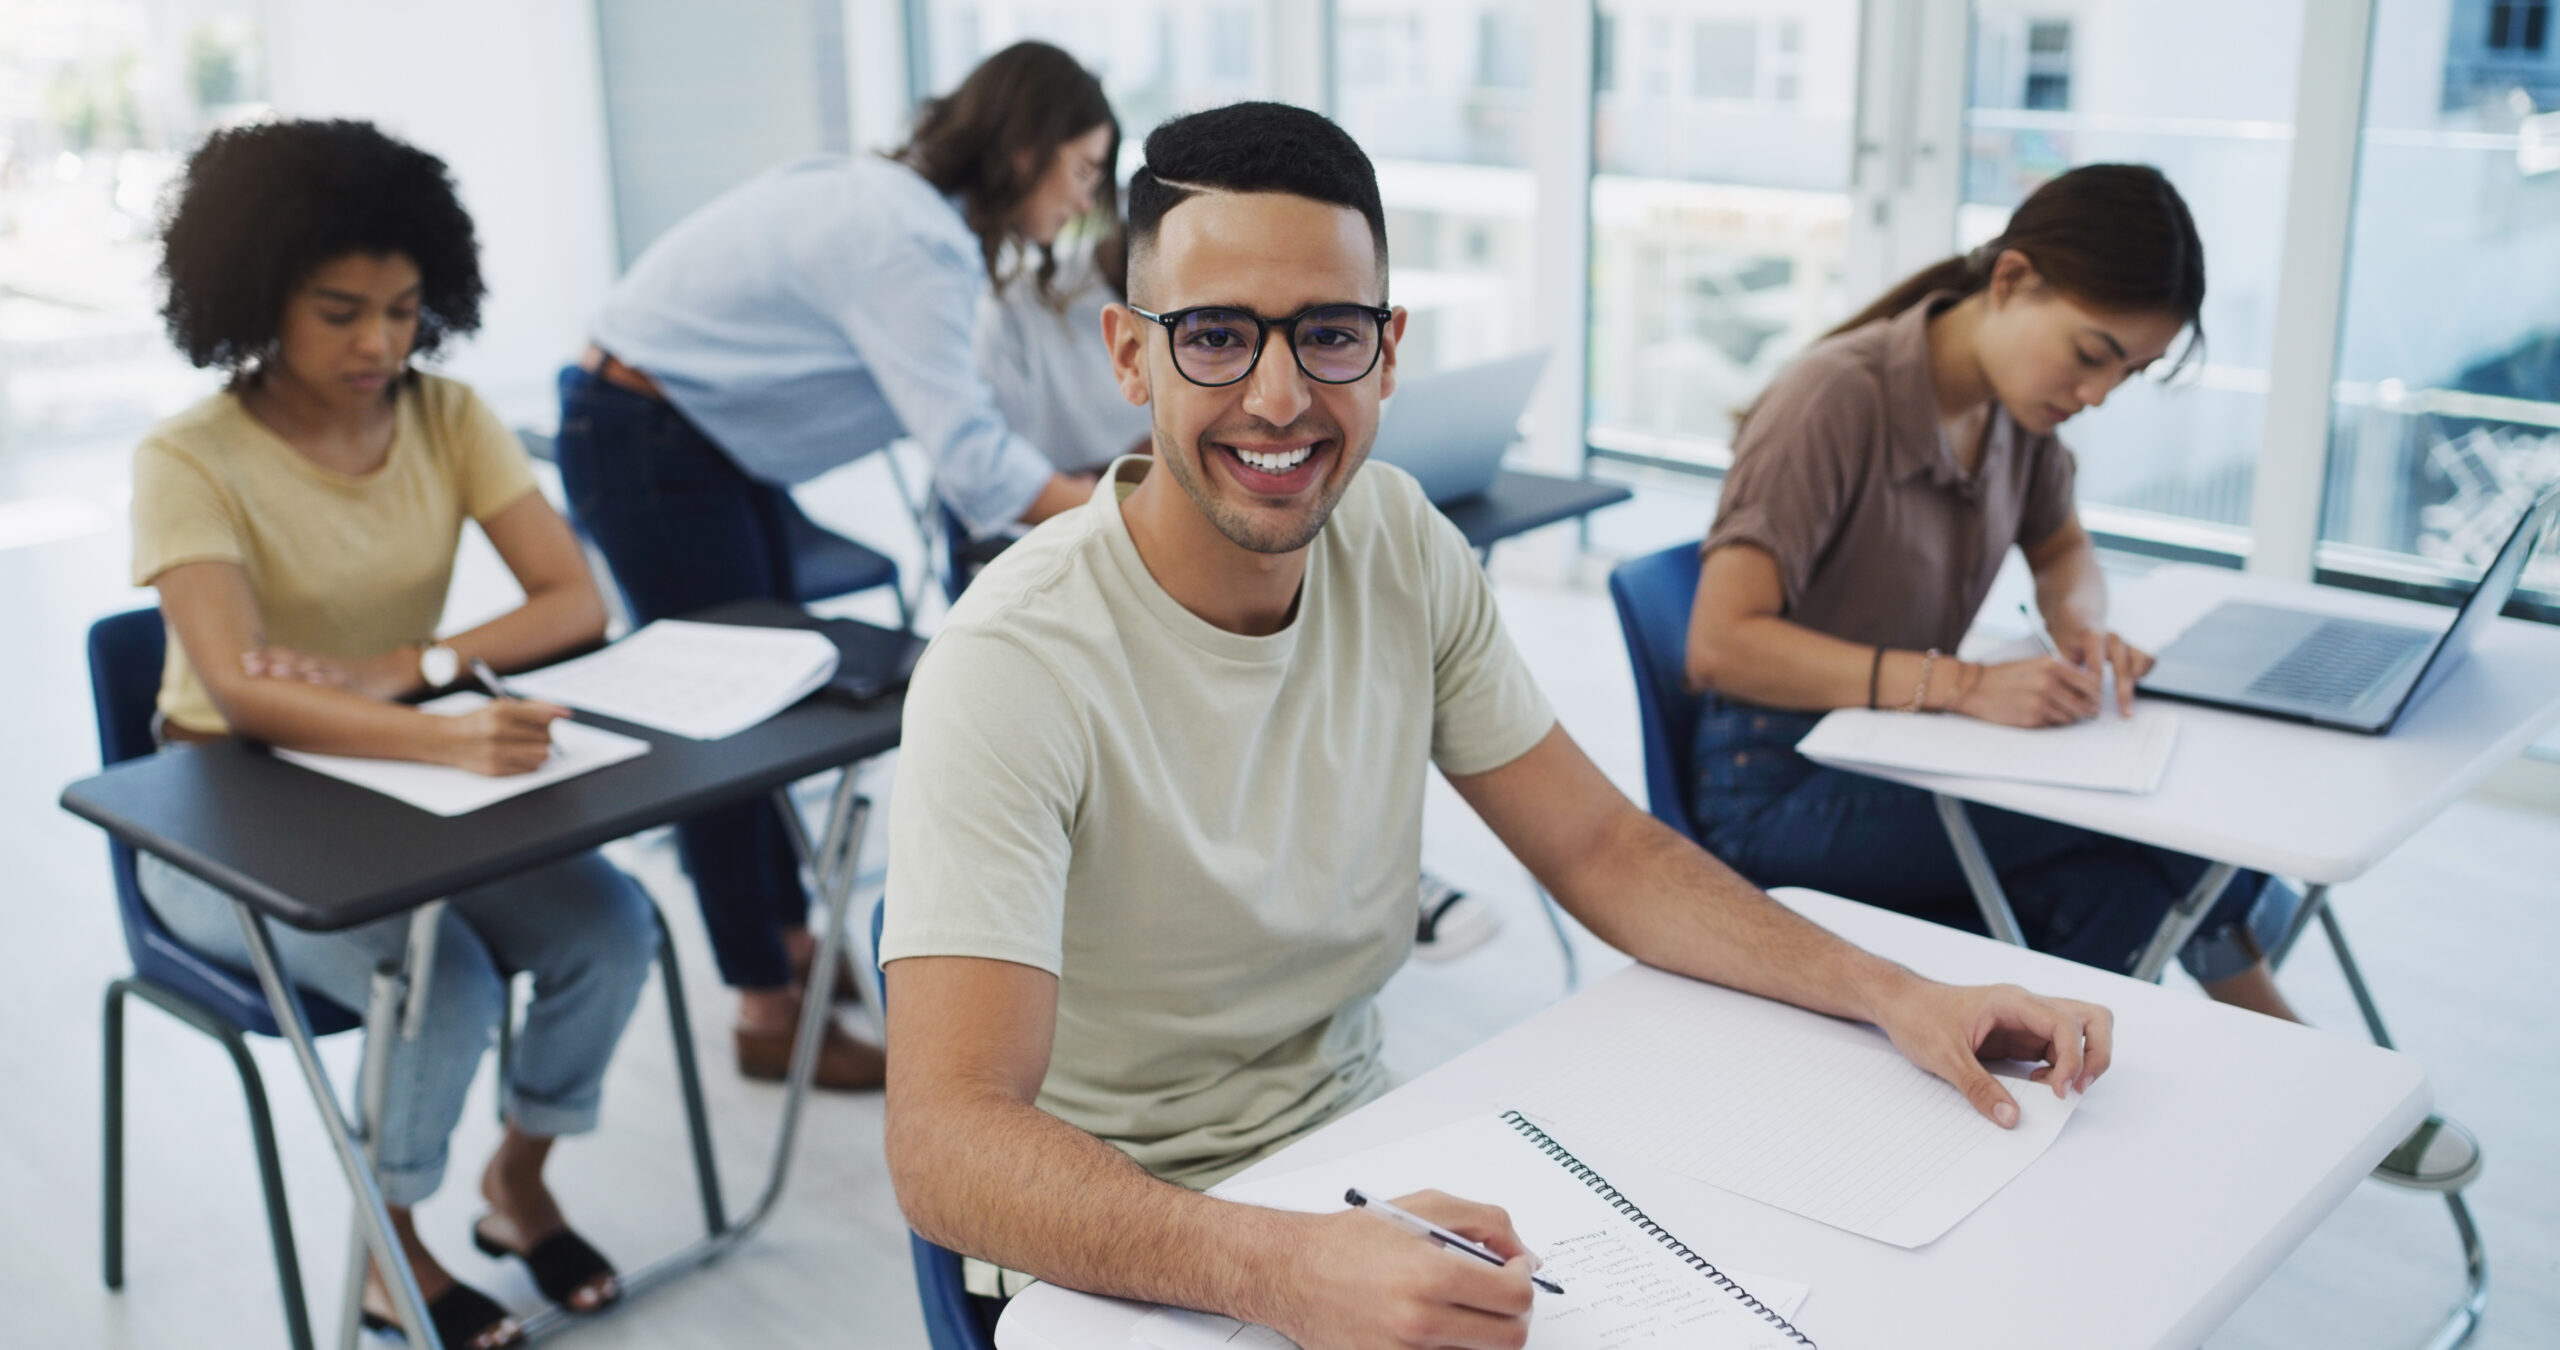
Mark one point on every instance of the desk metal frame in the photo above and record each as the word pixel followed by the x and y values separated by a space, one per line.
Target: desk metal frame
pixel 397 1008
pixel 2176 927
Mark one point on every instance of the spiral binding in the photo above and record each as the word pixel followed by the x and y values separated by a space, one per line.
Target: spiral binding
pixel 1546 1143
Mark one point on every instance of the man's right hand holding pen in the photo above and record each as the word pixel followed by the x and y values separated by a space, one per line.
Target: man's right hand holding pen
pixel 1357 1283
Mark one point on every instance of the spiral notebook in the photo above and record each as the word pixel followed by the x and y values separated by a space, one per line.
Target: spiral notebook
pixel 1628 1281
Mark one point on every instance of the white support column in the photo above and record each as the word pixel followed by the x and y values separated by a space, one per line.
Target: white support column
pixel 1560 295
pixel 875 63
pixel 1906 174
pixel 2320 198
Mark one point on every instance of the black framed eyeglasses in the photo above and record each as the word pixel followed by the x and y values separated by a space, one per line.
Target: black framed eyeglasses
pixel 1217 345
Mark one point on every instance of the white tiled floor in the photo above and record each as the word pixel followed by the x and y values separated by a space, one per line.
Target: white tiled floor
pixel 2458 931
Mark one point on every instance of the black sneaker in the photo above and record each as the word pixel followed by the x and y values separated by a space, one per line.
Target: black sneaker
pixel 1452 923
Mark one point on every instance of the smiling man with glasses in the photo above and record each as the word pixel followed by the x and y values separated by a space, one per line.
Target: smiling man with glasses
pixel 1159 806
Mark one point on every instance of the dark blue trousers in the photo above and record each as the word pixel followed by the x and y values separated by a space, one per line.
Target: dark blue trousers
pixel 683 528
pixel 1782 820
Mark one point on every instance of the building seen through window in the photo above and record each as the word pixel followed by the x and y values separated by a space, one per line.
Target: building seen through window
pixel 1719 208
pixel 2446 419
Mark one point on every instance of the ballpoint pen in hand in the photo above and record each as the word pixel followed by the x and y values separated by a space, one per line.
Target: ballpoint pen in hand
pixel 2035 627
pixel 1422 1227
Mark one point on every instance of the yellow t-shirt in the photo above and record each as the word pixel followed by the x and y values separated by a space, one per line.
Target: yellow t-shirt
pixel 342 565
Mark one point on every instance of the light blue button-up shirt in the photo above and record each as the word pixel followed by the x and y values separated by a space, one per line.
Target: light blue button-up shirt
pixel 814 314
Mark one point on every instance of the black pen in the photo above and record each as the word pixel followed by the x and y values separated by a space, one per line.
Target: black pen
pixel 1422 1227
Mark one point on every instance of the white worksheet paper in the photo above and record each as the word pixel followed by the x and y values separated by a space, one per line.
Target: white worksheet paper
pixel 448 791
pixel 1816 1117
pixel 2109 753
pixel 1622 1287
pixel 703 680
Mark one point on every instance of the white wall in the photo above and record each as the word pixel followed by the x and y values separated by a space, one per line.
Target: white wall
pixel 506 92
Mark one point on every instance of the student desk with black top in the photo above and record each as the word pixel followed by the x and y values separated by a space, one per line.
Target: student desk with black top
pixel 297 847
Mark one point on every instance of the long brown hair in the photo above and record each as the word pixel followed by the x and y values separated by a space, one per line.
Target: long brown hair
pixel 1016 108
pixel 2115 236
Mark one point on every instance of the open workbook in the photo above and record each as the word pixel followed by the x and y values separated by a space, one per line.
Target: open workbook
pixel 1628 1282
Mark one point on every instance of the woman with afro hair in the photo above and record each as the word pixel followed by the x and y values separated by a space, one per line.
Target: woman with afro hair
pixel 300 527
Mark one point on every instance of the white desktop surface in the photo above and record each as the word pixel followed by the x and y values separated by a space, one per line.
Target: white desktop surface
pixel 2289 798
pixel 2216 1143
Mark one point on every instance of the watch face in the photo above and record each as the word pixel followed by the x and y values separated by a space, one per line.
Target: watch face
pixel 439 664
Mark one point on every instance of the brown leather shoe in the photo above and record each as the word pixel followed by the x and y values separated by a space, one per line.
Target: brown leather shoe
pixel 847 990
pixel 845 1063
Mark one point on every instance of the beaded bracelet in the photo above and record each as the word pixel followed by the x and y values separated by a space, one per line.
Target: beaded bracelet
pixel 1920 695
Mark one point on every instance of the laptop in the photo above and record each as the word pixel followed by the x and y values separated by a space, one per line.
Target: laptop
pixel 1449 429
pixel 2351 674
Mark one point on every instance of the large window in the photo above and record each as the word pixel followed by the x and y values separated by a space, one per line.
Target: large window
pixel 1719 208
pixel 100 100
pixel 1439 92
pixel 2204 90
pixel 2446 419
pixel 1156 58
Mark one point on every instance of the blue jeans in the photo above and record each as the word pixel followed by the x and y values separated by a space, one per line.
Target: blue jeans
pixel 1782 820
pixel 684 528
pixel 582 929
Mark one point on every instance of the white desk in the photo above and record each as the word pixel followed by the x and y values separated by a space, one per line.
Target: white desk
pixel 2290 799
pixel 2219 1140
pixel 2284 797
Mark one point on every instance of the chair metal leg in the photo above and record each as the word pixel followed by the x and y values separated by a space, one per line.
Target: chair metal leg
pixel 1564 941
pixel 1997 917
pixel 111 1146
pixel 506 1050
pixel 2464 1320
pixel 697 1117
pixel 2355 978
pixel 2465 1317
pixel 262 1136
pixel 2314 900
pixel 2181 922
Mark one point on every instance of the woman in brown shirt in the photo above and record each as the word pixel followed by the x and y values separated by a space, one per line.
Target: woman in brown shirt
pixel 1876 488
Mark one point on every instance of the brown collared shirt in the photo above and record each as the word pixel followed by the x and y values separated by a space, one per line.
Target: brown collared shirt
pixel 1843 475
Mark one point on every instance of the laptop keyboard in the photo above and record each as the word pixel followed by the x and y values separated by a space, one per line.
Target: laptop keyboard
pixel 2336 664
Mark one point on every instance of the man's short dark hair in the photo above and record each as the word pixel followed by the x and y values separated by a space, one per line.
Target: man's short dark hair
pixel 1252 147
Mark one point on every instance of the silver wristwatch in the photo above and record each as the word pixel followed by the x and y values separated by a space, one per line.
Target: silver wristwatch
pixel 439 665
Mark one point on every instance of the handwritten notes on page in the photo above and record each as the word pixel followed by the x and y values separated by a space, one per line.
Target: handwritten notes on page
pixel 1816 1117
pixel 448 791
pixel 704 680
pixel 1624 1289
pixel 2109 753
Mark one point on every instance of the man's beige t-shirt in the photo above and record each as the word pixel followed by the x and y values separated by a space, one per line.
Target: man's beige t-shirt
pixel 1210 839
pixel 1842 475
pixel 341 565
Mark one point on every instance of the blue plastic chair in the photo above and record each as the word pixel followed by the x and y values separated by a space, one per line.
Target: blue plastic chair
pixel 125 652
pixel 1654 595
pixel 950 1312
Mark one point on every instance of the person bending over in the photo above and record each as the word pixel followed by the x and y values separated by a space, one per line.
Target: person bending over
pixel 300 526
pixel 803 320
pixel 1159 807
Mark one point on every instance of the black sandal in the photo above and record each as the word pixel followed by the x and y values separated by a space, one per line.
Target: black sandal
pixel 562 1264
pixel 460 1316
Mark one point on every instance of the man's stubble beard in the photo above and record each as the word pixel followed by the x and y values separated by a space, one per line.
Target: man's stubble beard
pixel 1243 527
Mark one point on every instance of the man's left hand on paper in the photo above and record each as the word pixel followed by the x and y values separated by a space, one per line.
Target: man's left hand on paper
pixel 1951 1029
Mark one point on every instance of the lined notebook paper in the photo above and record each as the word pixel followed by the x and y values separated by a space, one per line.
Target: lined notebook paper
pixel 1816 1117
pixel 448 791
pixel 1628 1283
pixel 2110 753
pixel 703 680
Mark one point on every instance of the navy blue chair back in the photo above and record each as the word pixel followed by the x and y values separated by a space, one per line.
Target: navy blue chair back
pixel 950 1316
pixel 125 656
pixel 1654 594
